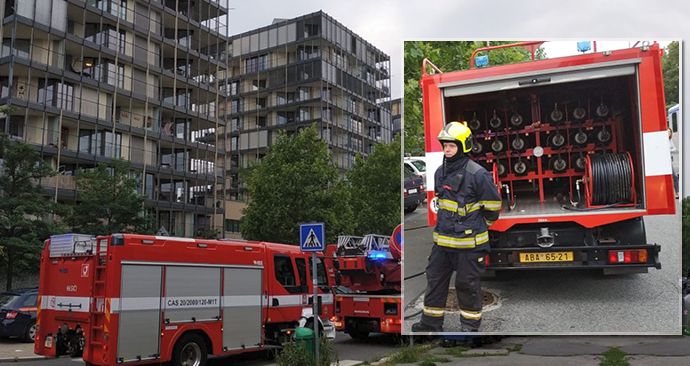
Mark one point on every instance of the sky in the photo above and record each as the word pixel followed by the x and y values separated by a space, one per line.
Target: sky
pixel 387 23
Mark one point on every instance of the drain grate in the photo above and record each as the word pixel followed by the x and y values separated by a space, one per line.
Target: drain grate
pixel 489 298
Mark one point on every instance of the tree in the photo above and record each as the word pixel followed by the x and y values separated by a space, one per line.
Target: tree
pixel 375 190
pixel 24 211
pixel 669 64
pixel 448 56
pixel 108 202
pixel 296 182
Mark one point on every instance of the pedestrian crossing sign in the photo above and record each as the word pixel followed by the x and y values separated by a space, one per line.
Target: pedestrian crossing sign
pixel 312 237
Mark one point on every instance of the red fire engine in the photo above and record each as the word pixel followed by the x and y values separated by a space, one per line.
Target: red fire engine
pixel 128 298
pixel 369 268
pixel 578 148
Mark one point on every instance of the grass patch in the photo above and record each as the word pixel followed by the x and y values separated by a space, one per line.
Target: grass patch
pixel 515 348
pixel 456 351
pixel 614 357
pixel 427 363
pixel 409 354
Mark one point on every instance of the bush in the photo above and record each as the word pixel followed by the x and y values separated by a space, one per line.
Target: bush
pixel 294 354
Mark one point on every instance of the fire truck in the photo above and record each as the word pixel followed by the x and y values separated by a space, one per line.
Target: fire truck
pixel 127 298
pixel 578 148
pixel 369 268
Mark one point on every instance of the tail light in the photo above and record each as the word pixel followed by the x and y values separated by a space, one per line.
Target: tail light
pixel 11 314
pixel 628 256
pixel 487 260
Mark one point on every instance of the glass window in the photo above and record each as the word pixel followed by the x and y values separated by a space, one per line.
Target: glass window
pixel 284 272
pixel 321 278
pixel 55 93
pixel 302 272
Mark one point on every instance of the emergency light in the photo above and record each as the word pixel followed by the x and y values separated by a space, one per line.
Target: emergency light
pixel 378 255
pixel 481 61
pixel 584 46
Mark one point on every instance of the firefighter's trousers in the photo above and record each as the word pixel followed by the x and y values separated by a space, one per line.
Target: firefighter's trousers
pixel 468 265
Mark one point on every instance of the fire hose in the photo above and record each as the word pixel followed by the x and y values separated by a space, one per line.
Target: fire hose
pixel 611 178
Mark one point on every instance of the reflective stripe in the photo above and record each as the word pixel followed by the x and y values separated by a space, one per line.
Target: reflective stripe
pixel 491 205
pixel 435 312
pixel 474 315
pixel 453 242
pixel 448 205
pixel 471 207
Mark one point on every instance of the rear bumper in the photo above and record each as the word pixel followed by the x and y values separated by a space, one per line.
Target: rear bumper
pixel 596 256
pixel 414 199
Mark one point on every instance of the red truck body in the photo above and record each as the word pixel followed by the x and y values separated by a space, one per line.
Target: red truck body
pixel 579 150
pixel 129 298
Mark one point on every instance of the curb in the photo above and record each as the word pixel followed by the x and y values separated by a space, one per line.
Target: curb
pixel 20 359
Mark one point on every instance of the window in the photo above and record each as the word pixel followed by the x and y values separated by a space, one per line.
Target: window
pixel 117 8
pixel 256 63
pixel 311 30
pixel 107 72
pixel 232 226
pixel 307 52
pixel 55 93
pixel 321 278
pixel 302 272
pixel 106 36
pixel 22 47
pixel 148 186
pixel 103 143
pixel 284 273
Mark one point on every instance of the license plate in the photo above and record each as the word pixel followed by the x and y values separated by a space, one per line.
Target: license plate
pixel 546 257
pixel 411 191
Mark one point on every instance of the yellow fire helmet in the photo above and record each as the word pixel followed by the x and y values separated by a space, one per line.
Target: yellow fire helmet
pixel 457 132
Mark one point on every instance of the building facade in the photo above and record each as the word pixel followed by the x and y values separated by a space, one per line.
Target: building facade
pixel 89 81
pixel 295 73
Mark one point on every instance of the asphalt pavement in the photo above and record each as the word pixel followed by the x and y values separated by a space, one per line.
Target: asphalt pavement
pixel 350 352
pixel 565 302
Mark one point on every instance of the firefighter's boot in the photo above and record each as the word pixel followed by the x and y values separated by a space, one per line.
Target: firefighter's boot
pixel 423 327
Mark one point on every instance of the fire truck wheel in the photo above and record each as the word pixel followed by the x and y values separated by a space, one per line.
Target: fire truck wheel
pixel 190 350
pixel 358 334
pixel 30 333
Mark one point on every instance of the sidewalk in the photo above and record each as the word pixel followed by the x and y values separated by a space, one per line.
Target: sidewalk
pixel 14 350
pixel 566 351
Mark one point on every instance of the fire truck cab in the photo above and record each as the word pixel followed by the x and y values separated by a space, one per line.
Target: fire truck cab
pixel 127 298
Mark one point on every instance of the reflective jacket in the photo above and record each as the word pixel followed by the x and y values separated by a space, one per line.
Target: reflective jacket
pixel 468 203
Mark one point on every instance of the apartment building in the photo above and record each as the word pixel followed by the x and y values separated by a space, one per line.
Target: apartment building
pixel 93 80
pixel 295 73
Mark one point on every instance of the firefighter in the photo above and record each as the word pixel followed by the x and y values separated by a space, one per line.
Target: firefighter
pixel 468 203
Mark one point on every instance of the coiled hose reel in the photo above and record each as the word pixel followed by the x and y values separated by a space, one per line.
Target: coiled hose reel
pixel 609 180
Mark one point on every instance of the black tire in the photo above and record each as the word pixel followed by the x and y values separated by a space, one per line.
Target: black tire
pixel 410 209
pixel 190 350
pixel 29 333
pixel 359 335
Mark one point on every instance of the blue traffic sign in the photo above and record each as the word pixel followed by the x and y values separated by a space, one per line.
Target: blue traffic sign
pixel 312 237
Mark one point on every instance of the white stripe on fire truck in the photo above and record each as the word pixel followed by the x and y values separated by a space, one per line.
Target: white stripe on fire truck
pixel 433 160
pixel 241 300
pixel 66 303
pixel 134 304
pixel 657 156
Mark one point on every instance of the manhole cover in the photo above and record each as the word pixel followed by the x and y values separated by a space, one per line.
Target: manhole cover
pixel 489 298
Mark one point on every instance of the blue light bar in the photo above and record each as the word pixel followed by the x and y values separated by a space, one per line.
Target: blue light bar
pixel 584 46
pixel 481 61
pixel 378 255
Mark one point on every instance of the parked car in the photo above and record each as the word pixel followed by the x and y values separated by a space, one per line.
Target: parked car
pixel 414 189
pixel 18 314
pixel 417 164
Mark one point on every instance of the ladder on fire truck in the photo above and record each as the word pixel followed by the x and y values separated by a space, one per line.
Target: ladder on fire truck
pixel 99 311
pixel 358 245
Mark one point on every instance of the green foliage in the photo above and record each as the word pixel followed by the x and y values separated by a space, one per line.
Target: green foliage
pixel 296 354
pixel 614 357
pixel 375 190
pixel 448 56
pixel 686 235
pixel 296 182
pixel 24 212
pixel 669 65
pixel 109 202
